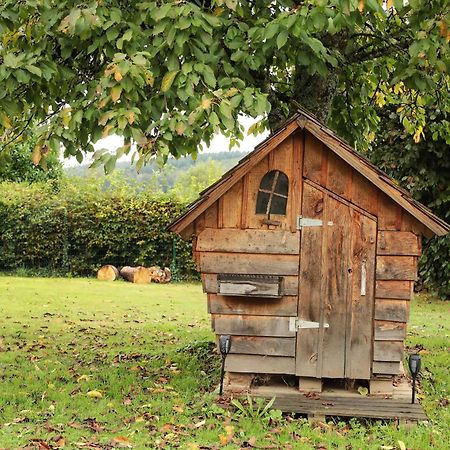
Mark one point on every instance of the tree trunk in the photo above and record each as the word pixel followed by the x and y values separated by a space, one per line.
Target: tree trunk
pixel 313 92
pixel 108 273
pixel 136 274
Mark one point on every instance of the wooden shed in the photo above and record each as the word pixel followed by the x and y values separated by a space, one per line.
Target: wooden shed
pixel 308 255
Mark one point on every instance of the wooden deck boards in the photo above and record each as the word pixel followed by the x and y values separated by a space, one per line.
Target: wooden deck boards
pixel 343 403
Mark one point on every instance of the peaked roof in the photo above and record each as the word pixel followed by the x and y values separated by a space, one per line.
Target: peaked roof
pixel 305 120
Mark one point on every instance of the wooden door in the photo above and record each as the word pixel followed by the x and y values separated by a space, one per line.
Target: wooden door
pixel 336 287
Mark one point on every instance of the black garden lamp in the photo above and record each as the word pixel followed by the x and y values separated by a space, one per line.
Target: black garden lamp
pixel 224 347
pixel 414 364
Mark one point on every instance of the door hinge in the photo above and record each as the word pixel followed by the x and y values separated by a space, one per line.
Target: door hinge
pixel 308 222
pixel 296 324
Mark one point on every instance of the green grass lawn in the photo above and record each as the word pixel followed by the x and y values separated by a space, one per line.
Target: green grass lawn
pixel 89 364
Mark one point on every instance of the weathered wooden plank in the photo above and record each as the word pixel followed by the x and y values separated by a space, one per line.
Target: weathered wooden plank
pixel 360 300
pixel 231 206
pixel 244 205
pixel 335 288
pixel 386 368
pixel 331 406
pixel 211 216
pixel 389 331
pixel 249 241
pixel 253 180
pixel 364 194
pixel 309 283
pixel 251 325
pixel 200 224
pixel 248 263
pixel 268 346
pixel 396 267
pixel 393 310
pixel 388 351
pixel 312 164
pixel 339 178
pixel 389 213
pixel 393 289
pixel 296 185
pixel 260 364
pixel 398 243
pixel 289 284
pixel 220 304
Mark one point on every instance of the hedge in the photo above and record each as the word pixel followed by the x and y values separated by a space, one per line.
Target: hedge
pixel 77 229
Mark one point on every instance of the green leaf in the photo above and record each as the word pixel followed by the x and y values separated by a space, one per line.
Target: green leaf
pixel 34 70
pixel 139 60
pixel 168 80
pixel 271 30
pixel 209 77
pixel 282 39
pixel 116 92
pixel 11 60
pixel 225 109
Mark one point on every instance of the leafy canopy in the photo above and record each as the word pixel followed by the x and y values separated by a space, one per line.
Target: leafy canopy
pixel 167 75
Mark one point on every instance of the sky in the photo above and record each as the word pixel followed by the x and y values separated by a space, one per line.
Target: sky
pixel 219 144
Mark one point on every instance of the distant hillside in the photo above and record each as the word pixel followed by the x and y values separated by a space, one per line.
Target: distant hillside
pixel 166 177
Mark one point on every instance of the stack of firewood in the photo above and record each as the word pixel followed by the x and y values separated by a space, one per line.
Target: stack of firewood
pixel 139 274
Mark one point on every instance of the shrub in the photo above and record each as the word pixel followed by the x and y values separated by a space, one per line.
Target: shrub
pixel 83 226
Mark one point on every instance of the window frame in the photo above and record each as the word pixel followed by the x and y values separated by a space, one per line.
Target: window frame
pixel 272 193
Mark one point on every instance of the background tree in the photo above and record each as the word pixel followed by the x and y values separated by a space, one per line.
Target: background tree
pixel 16 164
pixel 424 169
pixel 167 75
pixel 196 179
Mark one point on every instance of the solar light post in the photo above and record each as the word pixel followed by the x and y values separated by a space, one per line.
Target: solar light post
pixel 414 364
pixel 224 347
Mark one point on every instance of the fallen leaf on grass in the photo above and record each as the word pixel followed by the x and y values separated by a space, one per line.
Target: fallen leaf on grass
pixel 121 442
pixel 402 445
pixel 59 441
pixel 94 394
pixel 200 424
pixel 93 425
pixel 251 442
pixel 83 378
pixel 226 438
pixel 178 409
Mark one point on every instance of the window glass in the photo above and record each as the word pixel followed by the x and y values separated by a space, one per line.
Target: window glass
pixel 278 205
pixel 267 181
pixel 262 202
pixel 282 186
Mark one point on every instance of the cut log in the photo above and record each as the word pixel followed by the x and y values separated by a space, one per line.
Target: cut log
pixel 160 275
pixel 136 274
pixel 108 273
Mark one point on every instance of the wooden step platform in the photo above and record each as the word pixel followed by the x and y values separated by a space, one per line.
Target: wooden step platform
pixel 344 403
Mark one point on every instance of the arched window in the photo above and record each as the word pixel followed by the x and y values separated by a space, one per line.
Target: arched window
pixel 273 193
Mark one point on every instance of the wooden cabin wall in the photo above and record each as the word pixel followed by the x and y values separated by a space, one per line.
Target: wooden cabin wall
pixel 231 238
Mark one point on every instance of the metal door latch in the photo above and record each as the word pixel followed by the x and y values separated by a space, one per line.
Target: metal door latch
pixel 308 222
pixel 296 324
